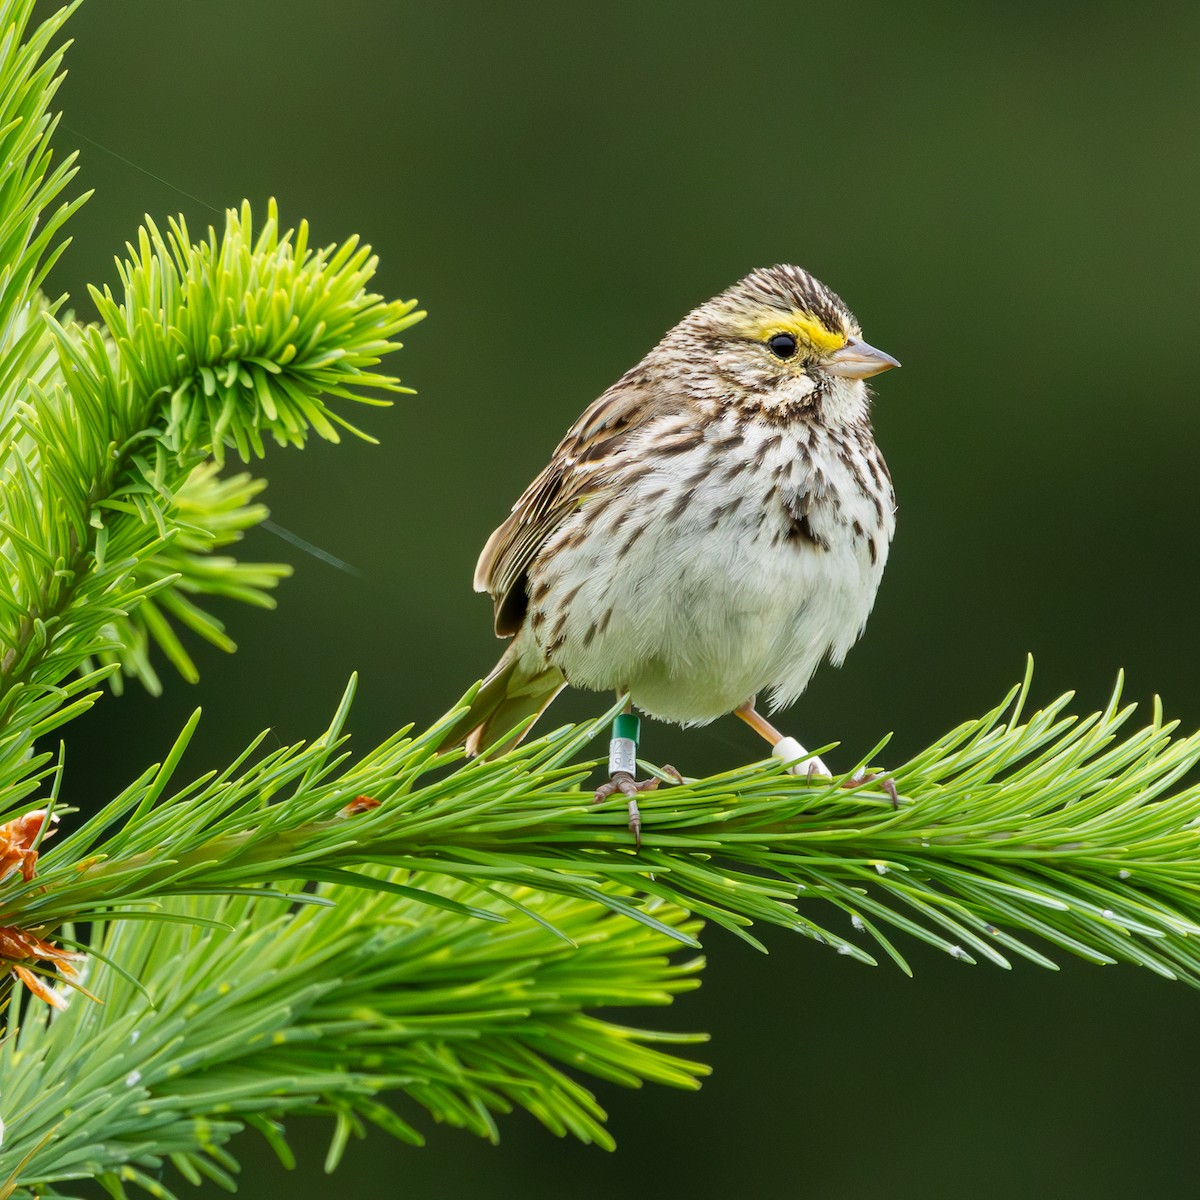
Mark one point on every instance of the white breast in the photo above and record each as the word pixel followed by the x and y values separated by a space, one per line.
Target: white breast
pixel 693 588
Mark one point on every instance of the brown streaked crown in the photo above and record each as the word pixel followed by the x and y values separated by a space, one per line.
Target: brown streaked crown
pixel 789 289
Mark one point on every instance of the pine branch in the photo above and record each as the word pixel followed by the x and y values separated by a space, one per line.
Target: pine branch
pixel 211 513
pixel 1011 828
pixel 30 228
pixel 238 1013
pixel 109 514
pixel 1046 826
pixel 215 343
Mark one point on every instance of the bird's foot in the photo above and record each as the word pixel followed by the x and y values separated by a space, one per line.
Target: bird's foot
pixel 799 761
pixel 624 782
pixel 886 782
pixel 812 767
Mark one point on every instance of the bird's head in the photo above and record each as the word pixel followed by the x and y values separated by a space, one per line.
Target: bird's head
pixel 780 342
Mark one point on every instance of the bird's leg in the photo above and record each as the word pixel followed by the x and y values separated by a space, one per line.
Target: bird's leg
pixel 622 769
pixel 785 748
pixel 803 763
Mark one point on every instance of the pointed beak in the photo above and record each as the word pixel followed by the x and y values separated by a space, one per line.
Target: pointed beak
pixel 857 360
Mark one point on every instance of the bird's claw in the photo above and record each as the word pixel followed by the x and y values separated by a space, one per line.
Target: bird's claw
pixel 629 787
pixel 886 782
pixel 810 768
pixel 799 761
pixel 813 767
pixel 624 783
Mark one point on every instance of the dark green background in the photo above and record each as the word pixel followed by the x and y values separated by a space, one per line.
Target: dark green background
pixel 1006 195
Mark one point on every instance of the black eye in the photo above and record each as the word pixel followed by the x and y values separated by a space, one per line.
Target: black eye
pixel 782 345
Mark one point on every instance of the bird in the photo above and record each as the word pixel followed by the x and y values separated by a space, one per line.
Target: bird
pixel 711 528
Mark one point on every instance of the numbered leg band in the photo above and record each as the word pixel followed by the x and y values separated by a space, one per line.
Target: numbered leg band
pixel 623 748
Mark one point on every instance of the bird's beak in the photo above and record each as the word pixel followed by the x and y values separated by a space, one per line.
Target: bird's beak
pixel 857 360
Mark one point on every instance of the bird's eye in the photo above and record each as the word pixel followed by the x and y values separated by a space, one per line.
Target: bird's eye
pixel 782 345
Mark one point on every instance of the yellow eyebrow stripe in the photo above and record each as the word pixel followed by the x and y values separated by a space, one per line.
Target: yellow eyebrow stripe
pixel 806 329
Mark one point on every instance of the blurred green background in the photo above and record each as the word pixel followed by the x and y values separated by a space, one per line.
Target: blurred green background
pixel 1005 195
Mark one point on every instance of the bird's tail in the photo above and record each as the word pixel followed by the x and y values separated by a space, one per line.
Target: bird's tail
pixel 509 695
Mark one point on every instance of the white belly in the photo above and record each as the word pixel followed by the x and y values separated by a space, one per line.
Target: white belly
pixel 696 612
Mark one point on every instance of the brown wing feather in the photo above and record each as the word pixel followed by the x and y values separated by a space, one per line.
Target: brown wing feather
pixel 573 471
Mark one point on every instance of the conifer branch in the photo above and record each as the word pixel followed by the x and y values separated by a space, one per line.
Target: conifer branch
pixel 238 1013
pixel 212 344
pixel 1046 826
pixel 1016 836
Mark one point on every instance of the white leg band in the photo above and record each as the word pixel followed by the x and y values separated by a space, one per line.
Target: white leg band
pixel 802 763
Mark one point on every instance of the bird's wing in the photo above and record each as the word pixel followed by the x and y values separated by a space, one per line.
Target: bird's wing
pixel 574 470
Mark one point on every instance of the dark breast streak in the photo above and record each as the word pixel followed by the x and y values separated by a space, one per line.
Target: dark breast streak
pixel 797 528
